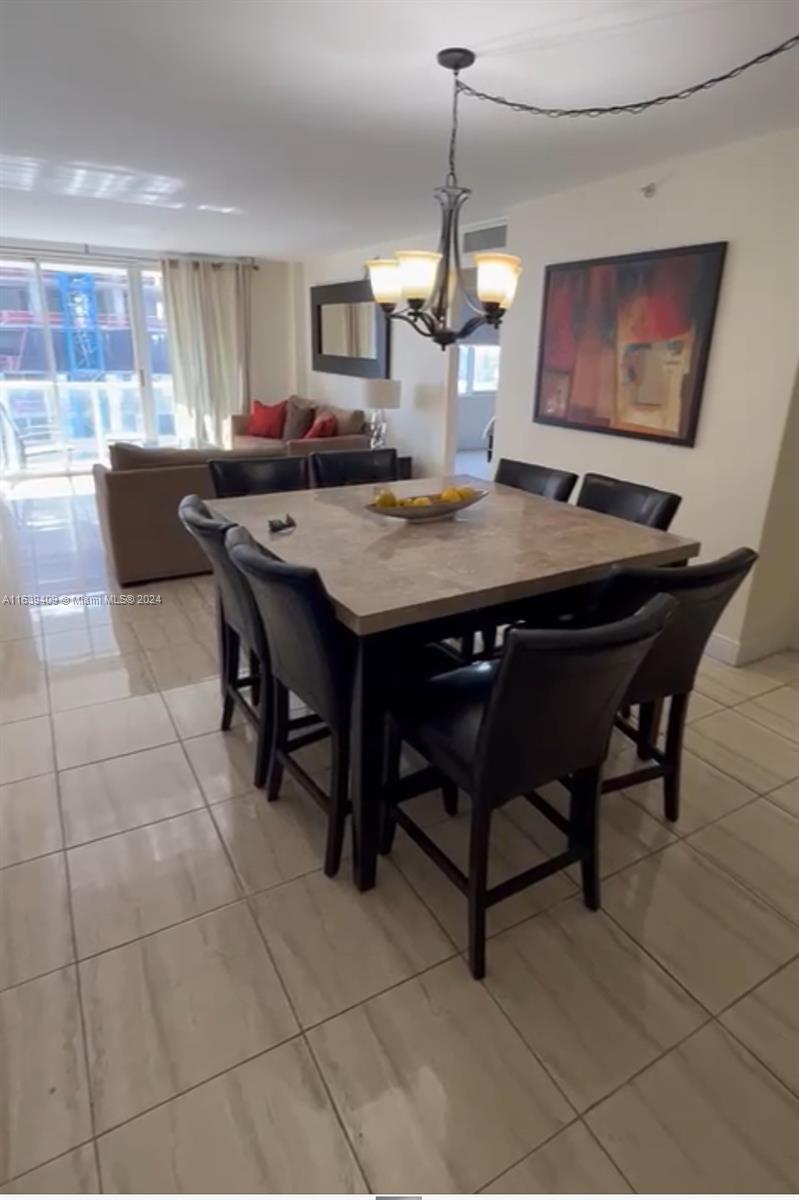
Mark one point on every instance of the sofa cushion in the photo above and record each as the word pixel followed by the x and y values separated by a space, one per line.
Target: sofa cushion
pixel 325 426
pixel 299 418
pixel 267 420
pixel 350 420
pixel 266 447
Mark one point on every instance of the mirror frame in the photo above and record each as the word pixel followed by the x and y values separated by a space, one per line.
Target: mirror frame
pixel 357 292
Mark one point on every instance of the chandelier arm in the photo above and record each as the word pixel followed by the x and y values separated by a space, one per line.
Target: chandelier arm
pixel 639 106
pixel 476 308
pixel 419 321
pixel 470 326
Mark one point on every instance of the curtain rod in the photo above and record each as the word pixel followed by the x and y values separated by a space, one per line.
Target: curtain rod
pixel 107 254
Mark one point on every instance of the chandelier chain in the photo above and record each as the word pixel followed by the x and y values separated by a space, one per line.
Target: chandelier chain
pixel 614 109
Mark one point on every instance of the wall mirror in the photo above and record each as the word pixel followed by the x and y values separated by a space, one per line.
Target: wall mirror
pixel 350 334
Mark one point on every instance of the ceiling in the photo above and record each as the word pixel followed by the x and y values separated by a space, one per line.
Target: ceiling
pixel 283 128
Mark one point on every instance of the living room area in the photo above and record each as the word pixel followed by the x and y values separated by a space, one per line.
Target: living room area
pixel 399 597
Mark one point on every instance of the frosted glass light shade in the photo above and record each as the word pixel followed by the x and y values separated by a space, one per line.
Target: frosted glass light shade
pixel 418 270
pixel 497 277
pixel 384 276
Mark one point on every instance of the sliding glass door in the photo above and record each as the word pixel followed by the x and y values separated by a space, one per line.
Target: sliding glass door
pixel 84 361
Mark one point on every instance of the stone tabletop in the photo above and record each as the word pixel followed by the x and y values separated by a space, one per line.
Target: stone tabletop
pixel 383 573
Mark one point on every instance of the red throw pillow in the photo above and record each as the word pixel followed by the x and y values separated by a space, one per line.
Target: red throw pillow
pixel 267 420
pixel 324 426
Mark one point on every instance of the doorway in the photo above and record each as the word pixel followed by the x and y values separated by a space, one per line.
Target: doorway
pixel 478 379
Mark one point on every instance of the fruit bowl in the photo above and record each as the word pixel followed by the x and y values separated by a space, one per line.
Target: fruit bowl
pixel 431 507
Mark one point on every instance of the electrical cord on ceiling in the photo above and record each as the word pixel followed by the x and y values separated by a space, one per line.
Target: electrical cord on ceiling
pixel 633 109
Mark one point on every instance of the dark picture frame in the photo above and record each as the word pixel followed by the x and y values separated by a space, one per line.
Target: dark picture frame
pixel 357 292
pixel 624 342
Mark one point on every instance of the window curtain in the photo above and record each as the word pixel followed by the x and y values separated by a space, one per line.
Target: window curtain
pixel 208 317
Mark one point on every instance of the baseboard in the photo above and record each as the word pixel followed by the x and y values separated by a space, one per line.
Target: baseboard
pixel 739 654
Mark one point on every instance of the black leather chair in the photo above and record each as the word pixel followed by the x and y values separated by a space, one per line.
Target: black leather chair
pixel 542 481
pixel 312 655
pixel 630 501
pixel 668 671
pixel 499 730
pixel 240 627
pixel 338 468
pixel 251 476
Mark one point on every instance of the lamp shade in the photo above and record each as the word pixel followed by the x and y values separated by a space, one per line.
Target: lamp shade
pixel 386 281
pixel 382 393
pixel 418 270
pixel 497 277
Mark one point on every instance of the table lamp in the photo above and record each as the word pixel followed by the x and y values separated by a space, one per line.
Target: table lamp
pixel 380 395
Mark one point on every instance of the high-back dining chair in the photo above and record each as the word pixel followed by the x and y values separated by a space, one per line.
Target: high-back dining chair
pixel 312 655
pixel 542 481
pixel 253 476
pixel 337 468
pixel 631 501
pixel 701 593
pixel 499 730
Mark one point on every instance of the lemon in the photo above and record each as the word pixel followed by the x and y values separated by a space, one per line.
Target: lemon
pixel 421 502
pixel 386 499
pixel 451 495
pixel 466 493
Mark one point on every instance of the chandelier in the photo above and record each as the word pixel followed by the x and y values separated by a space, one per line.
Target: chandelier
pixel 429 281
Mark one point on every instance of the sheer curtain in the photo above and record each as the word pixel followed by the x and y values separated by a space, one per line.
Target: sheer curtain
pixel 208 317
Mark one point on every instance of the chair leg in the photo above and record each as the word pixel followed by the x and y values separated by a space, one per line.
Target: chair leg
pixel 478 880
pixel 280 737
pixel 449 792
pixel 585 830
pixel 388 822
pixel 489 636
pixel 229 651
pixel 339 800
pixel 266 707
pixel 255 676
pixel 467 647
pixel 674 738
pixel 648 725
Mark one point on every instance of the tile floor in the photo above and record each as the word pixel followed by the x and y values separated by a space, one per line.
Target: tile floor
pixel 187 1004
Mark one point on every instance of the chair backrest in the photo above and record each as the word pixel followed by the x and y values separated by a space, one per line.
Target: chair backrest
pixel 251 476
pixel 310 652
pixel 337 468
pixel 556 695
pixel 701 592
pixel 238 606
pixel 529 477
pixel 630 501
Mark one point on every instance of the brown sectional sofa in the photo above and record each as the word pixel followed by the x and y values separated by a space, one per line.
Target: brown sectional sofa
pixel 350 422
pixel 138 496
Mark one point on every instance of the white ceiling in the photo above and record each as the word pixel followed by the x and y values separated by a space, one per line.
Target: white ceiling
pixel 286 127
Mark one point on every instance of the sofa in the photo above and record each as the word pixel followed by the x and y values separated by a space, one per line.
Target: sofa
pixel 350 423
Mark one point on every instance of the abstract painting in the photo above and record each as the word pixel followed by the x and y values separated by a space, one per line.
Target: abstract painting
pixel 625 342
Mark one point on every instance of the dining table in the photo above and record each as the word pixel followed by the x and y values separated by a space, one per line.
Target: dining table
pixel 396 584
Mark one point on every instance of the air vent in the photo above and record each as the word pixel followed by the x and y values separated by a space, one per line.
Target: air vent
pixel 485 239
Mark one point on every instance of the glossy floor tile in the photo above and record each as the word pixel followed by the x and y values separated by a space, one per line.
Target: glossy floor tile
pixel 267 1126
pixel 26 749
pixel 85 735
pixel 223 762
pixel 272 843
pixel 713 935
pixel 184 662
pixel 767 1022
pixel 759 846
pixel 588 1001
pixel 24 690
pixel 706 1118
pixel 706 793
pixel 45 1102
pixel 335 946
pixel 35 933
pixel 135 883
pixel 29 821
pixel 787 797
pixel 195 708
pixel 778 711
pixel 72 1174
pixel 120 793
pixel 98 679
pixel 732 685
pixel 171 1010
pixel 745 749
pixel 435 1088
pixel 573 1163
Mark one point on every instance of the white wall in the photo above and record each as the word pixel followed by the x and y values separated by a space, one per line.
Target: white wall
pixel 746 194
pixel 273 359
pixel 419 426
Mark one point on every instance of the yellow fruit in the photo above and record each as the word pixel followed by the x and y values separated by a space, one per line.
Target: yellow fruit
pixel 386 499
pixel 451 495
pixel 421 502
pixel 466 493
